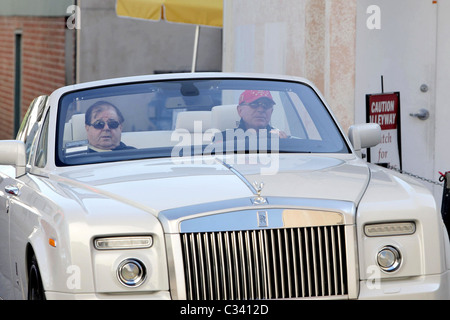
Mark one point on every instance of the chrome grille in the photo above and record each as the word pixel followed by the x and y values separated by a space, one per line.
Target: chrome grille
pixel 265 264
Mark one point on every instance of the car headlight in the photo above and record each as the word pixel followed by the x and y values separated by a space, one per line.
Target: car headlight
pixel 118 243
pixel 389 259
pixel 131 272
pixel 390 229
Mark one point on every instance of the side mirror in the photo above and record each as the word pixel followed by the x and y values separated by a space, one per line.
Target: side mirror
pixel 12 152
pixel 364 135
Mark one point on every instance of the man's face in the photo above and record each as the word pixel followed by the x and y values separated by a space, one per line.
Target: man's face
pixel 105 138
pixel 257 114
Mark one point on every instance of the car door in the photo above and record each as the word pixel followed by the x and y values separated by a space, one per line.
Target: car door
pixel 6 277
pixel 9 191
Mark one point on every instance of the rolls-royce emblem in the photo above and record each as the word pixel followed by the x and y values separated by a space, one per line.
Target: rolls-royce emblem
pixel 262 219
pixel 258 188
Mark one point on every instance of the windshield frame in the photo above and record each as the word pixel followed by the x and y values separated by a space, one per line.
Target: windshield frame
pixel 188 91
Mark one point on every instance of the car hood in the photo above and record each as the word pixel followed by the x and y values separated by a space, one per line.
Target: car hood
pixel 163 184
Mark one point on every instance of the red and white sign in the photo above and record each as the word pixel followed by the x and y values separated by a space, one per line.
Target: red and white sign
pixel 384 109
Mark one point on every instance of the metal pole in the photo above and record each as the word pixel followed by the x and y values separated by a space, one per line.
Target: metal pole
pixel 194 55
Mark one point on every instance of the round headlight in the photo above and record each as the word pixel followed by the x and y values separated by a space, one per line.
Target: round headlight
pixel 389 258
pixel 131 272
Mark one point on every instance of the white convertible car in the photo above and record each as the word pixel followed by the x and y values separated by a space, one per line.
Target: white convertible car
pixel 208 186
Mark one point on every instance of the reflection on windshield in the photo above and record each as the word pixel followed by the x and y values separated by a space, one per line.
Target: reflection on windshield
pixel 180 118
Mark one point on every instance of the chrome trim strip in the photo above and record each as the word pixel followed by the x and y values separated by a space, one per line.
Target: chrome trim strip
pixel 249 220
pixel 176 269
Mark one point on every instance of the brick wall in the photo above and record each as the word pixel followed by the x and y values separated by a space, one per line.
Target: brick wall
pixel 43 63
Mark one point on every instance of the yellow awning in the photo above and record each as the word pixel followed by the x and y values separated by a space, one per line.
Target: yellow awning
pixel 199 12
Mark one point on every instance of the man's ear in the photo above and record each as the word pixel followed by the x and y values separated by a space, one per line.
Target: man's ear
pixel 239 110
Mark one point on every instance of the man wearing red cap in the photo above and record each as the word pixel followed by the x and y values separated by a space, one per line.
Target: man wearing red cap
pixel 255 109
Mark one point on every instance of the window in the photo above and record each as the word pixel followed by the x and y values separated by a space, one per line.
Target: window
pixel 30 123
pixel 42 147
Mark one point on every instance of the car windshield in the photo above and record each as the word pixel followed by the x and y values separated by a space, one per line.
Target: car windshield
pixel 184 118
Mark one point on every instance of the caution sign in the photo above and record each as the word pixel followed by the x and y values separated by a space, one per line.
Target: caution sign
pixel 384 109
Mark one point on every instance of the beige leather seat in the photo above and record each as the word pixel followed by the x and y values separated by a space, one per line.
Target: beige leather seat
pixel 225 117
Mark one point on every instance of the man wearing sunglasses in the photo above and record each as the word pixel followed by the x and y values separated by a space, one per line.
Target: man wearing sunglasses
pixel 103 123
pixel 255 109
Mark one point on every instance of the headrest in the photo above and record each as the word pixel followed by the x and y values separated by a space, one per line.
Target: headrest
pixel 78 127
pixel 187 120
pixel 225 117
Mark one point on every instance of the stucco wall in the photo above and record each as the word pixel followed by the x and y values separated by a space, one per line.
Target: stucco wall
pixel 314 39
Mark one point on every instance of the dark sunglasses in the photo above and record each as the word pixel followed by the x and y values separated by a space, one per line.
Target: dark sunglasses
pixel 257 104
pixel 100 124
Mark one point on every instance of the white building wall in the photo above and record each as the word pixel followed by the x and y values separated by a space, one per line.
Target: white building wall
pixel 442 126
pixel 410 49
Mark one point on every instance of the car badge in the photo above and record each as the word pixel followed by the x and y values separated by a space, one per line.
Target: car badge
pixel 258 188
pixel 262 218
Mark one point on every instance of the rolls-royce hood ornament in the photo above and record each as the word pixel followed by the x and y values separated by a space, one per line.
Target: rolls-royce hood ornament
pixel 258 188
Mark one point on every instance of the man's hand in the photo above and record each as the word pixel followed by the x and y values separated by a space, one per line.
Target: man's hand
pixel 280 133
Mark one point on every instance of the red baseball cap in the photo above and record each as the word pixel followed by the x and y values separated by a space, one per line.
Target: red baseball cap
pixel 248 96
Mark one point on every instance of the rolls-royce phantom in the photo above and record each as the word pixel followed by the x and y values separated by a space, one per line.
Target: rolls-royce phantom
pixel 208 186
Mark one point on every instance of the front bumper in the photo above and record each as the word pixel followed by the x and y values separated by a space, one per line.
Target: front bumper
pixel 159 295
pixel 432 287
